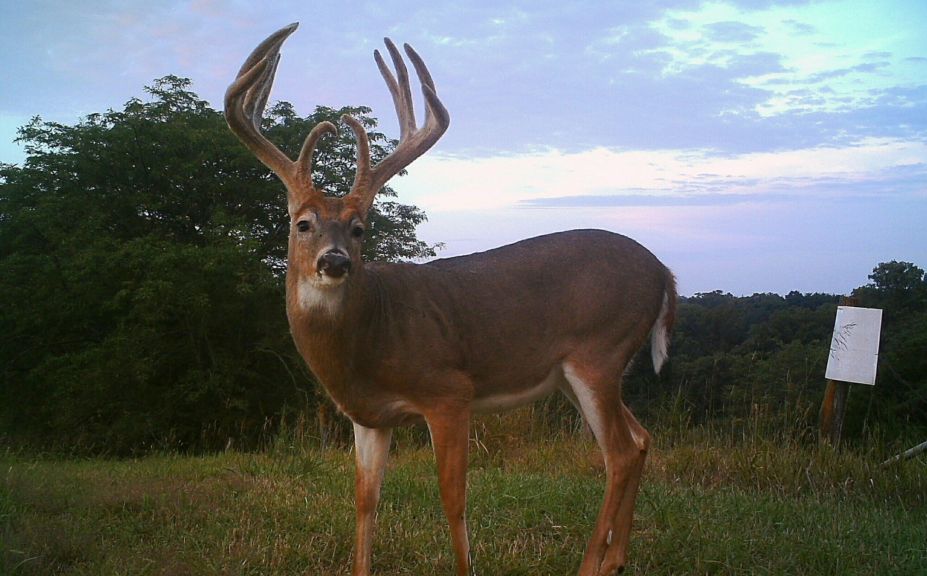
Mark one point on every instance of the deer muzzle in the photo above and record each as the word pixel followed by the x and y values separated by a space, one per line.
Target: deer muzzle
pixel 334 264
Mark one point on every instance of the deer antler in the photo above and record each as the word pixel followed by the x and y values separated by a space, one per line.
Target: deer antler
pixel 413 142
pixel 245 100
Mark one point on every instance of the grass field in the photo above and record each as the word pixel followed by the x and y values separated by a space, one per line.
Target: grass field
pixel 707 506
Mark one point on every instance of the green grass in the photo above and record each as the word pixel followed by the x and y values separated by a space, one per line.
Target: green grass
pixel 707 506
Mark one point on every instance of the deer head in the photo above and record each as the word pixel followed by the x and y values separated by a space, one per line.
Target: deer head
pixel 327 232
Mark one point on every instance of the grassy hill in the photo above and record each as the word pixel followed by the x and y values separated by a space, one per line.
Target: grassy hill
pixel 710 504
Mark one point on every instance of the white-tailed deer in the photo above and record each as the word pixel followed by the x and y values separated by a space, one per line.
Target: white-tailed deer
pixel 399 343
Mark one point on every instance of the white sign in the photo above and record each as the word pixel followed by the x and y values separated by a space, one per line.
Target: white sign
pixel 854 349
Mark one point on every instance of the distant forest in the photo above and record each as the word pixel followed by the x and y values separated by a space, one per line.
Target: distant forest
pixel 763 357
pixel 141 274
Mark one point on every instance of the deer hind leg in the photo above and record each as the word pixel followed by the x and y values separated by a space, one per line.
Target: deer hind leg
pixel 371 452
pixel 617 553
pixel 450 431
pixel 597 393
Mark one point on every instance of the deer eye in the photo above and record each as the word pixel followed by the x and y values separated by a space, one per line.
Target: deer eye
pixel 303 226
pixel 357 231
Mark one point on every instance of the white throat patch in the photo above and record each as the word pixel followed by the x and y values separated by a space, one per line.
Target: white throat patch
pixel 320 296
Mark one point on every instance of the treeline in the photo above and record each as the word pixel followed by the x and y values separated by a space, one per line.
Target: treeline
pixel 762 358
pixel 142 254
pixel 141 274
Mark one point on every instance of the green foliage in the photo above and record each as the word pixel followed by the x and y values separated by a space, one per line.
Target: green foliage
pixel 898 402
pixel 900 288
pixel 141 259
pixel 740 359
pixel 736 358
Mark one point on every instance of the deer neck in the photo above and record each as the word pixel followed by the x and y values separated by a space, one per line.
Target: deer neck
pixel 328 323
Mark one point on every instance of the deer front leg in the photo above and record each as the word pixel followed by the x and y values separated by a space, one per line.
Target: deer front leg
pixel 449 435
pixel 371 451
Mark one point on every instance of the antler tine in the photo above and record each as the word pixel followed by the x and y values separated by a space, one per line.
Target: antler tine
pixel 256 96
pixel 362 176
pixel 246 97
pixel 435 112
pixel 413 141
pixel 270 45
pixel 304 162
pixel 245 100
pixel 402 95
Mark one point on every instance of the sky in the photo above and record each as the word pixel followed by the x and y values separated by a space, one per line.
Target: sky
pixel 752 145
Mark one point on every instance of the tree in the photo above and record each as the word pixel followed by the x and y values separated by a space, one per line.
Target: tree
pixel 899 400
pixel 141 260
pixel 896 287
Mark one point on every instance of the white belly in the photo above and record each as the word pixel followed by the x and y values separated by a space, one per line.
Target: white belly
pixel 508 400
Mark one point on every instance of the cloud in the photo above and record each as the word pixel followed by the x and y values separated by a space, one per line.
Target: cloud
pixel 718 133
pixel 602 176
pixel 736 32
pixel 738 76
pixel 643 199
pixel 799 28
pixel 832 60
pixel 863 68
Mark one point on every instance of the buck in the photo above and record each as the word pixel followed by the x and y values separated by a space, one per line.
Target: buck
pixel 395 343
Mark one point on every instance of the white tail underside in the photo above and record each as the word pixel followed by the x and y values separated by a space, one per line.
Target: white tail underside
pixel 659 337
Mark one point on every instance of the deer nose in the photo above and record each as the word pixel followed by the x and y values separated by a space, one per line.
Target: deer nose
pixel 334 264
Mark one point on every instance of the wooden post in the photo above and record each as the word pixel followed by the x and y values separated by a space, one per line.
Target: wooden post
pixel 826 421
pixel 840 411
pixel 834 406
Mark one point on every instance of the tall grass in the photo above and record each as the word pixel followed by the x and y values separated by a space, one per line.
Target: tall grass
pixel 731 498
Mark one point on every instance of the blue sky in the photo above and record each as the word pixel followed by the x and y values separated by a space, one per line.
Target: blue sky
pixel 753 145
